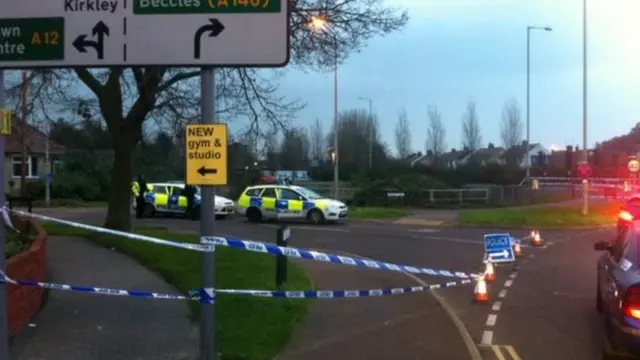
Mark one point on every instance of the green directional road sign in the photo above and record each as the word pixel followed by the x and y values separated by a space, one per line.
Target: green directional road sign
pixel 32 39
pixel 155 7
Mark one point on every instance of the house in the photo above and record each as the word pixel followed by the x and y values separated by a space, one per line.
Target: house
pixel 485 156
pixel 418 159
pixel 517 155
pixel 454 158
pixel 35 147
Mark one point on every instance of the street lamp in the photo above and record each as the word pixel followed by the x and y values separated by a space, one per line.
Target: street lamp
pixel 528 158
pixel 370 129
pixel 585 152
pixel 320 24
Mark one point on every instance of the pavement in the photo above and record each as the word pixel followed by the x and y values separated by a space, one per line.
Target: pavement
pixel 542 307
pixel 75 326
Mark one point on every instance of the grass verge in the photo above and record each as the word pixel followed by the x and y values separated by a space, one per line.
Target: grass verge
pixel 248 328
pixel 70 203
pixel 377 213
pixel 547 216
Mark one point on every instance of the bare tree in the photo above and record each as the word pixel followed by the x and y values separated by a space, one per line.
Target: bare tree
pixel 317 146
pixel 471 137
pixel 436 132
pixel 127 97
pixel 511 125
pixel 355 129
pixel 403 135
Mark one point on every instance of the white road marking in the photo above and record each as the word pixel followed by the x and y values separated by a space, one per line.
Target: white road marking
pixel 491 319
pixel 487 337
pixel 496 305
pixel 513 275
pixel 502 293
pixel 508 283
pixel 424 230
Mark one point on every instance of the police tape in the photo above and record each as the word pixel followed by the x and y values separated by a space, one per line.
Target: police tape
pixel 208 295
pixel 260 247
pixel 208 243
pixel 176 244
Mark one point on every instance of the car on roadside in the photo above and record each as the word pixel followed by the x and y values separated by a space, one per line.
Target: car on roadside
pixel 288 202
pixel 629 212
pixel 169 199
pixel 618 292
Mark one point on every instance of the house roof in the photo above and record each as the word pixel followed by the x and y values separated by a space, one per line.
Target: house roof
pixel 518 151
pixel 34 140
pixel 486 154
pixel 454 155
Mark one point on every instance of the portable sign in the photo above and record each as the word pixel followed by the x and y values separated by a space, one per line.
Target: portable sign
pixel 498 247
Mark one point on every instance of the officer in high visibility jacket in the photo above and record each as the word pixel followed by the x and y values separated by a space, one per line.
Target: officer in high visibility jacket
pixel 139 188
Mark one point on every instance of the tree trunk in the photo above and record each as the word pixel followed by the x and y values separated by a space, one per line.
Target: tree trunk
pixel 119 208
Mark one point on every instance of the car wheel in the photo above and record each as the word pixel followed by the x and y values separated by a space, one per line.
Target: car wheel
pixel 599 305
pixel 221 217
pixel 315 216
pixel 254 215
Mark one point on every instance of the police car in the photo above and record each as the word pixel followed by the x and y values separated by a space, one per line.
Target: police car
pixel 169 198
pixel 288 202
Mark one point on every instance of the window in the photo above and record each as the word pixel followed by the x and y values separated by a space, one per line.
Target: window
pixel 160 189
pixel 253 192
pixel 176 190
pixel 620 245
pixel 269 193
pixel 32 166
pixel 287 194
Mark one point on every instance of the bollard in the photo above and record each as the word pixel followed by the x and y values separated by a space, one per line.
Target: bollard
pixel 281 261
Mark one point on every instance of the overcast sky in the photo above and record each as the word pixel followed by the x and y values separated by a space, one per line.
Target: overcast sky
pixel 456 50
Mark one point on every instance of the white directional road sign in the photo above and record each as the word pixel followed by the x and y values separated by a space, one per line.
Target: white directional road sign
pixel 103 33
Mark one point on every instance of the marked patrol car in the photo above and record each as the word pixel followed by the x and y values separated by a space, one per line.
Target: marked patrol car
pixel 288 202
pixel 169 198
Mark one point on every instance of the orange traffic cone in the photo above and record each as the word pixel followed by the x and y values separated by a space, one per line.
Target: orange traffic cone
pixel 480 291
pixel 517 250
pixel 536 240
pixel 489 273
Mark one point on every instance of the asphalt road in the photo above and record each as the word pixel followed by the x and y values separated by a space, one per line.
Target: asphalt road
pixel 540 308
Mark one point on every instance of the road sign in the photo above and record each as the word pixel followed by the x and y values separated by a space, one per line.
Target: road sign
pixel 584 170
pixel 633 165
pixel 36 33
pixel 499 248
pixel 5 123
pixel 206 152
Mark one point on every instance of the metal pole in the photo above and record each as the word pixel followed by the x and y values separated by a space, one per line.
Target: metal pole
pixel 4 336
pixel 528 158
pixel 207 224
pixel 47 160
pixel 585 152
pixel 370 134
pixel 336 181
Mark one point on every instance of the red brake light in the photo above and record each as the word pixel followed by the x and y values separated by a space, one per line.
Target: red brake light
pixel 626 216
pixel 631 303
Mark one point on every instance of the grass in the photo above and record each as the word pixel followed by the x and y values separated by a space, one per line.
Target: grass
pixel 16 244
pixel 547 216
pixel 69 203
pixel 377 213
pixel 248 328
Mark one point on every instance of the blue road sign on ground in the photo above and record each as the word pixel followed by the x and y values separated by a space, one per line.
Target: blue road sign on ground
pixel 498 247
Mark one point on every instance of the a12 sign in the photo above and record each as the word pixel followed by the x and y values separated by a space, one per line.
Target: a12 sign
pixel 584 170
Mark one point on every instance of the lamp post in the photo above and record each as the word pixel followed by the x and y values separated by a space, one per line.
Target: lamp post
pixel 585 152
pixel 528 158
pixel 370 135
pixel 320 24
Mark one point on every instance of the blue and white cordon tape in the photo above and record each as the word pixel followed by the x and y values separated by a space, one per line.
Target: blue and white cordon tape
pixel 208 243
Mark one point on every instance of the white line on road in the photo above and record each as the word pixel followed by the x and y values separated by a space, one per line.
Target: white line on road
pixel 508 283
pixel 502 293
pixel 513 275
pixel 487 337
pixel 496 305
pixel 491 319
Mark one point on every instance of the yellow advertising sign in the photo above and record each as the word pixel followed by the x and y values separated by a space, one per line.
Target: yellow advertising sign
pixel 5 122
pixel 206 153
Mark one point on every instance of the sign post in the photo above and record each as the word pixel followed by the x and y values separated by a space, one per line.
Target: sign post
pixel 4 336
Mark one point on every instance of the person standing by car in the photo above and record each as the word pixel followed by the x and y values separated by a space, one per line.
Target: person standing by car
pixel 190 193
pixel 142 190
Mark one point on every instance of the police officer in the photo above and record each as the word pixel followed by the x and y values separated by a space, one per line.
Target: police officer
pixel 142 190
pixel 189 193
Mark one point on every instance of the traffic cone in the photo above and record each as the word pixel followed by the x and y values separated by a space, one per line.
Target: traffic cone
pixel 517 250
pixel 489 273
pixel 536 240
pixel 480 291
pixel 532 234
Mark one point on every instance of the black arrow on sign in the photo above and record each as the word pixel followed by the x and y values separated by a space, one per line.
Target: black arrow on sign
pixel 100 30
pixel 214 29
pixel 204 171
